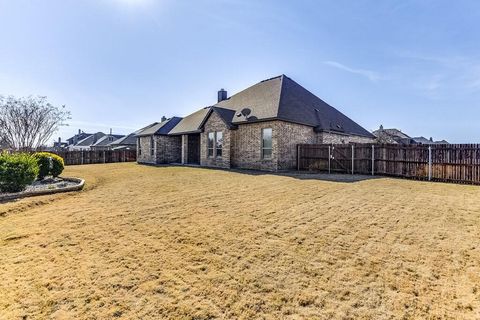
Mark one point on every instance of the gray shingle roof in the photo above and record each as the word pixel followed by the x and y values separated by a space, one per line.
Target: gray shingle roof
pixel 107 139
pixel 263 99
pixel 283 99
pixel 90 140
pixel 150 125
pixel 423 140
pixel 159 128
pixel 396 133
pixel 191 123
pixel 78 137
pixel 226 115
pixel 127 140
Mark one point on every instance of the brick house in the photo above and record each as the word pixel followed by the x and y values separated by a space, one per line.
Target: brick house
pixel 257 128
pixel 155 146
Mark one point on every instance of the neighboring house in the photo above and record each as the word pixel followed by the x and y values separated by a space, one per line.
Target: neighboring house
pixel 59 145
pixel 395 136
pixel 87 142
pixel 104 142
pixel 98 141
pixel 392 136
pixel 257 128
pixel 155 146
pixel 423 140
pixel 128 142
pixel 78 137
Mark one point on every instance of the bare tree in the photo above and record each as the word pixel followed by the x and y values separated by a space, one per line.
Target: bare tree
pixel 28 123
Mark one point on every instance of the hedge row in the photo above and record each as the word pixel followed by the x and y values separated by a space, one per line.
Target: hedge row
pixel 18 170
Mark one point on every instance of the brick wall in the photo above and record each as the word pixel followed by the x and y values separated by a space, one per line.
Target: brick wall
pixel 247 147
pixel 335 138
pixel 216 124
pixel 289 136
pixel 167 149
pixel 144 150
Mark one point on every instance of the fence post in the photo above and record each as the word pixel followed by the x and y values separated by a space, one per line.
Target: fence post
pixel 353 157
pixel 82 157
pixel 429 163
pixel 373 159
pixel 104 156
pixel 329 158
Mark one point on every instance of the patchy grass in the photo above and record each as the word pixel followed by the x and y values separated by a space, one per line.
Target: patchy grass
pixel 185 243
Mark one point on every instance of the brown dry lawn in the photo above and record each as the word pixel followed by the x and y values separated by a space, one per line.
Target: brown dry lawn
pixel 187 243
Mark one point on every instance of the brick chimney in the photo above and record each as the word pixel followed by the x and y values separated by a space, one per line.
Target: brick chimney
pixel 222 95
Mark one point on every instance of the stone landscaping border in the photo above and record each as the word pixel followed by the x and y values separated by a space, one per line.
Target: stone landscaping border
pixel 78 187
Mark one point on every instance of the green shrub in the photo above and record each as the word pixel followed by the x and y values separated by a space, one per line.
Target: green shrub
pixel 17 171
pixel 43 160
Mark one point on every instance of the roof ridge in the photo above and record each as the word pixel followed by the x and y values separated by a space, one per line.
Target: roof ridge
pixel 273 78
pixel 282 77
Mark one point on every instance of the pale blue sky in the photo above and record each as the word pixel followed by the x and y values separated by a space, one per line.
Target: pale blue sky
pixel 413 65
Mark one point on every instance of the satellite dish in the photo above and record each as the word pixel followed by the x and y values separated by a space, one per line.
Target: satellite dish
pixel 246 112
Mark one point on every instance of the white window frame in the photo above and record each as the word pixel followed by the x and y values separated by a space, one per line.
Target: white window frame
pixel 266 148
pixel 152 145
pixel 216 146
pixel 213 144
pixel 214 149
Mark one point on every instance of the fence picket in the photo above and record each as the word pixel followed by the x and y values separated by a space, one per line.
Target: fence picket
pixel 91 156
pixel 458 163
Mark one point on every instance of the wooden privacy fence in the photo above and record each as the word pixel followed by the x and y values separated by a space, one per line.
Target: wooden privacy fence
pixel 458 163
pixel 91 156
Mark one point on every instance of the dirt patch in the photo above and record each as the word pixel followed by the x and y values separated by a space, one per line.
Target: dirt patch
pixel 190 243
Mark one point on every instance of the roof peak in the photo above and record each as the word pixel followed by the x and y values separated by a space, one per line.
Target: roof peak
pixel 273 78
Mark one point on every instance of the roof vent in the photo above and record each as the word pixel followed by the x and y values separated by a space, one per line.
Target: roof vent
pixel 222 95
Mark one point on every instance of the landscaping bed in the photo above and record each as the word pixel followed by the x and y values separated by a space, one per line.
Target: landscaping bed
pixel 24 175
pixel 46 186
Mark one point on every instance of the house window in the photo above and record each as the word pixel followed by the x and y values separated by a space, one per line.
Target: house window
pixel 218 143
pixel 152 146
pixel 267 143
pixel 211 139
pixel 139 146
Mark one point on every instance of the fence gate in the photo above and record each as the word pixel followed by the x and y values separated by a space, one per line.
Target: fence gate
pixel 341 158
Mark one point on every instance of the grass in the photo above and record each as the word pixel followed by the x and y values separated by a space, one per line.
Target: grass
pixel 188 243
